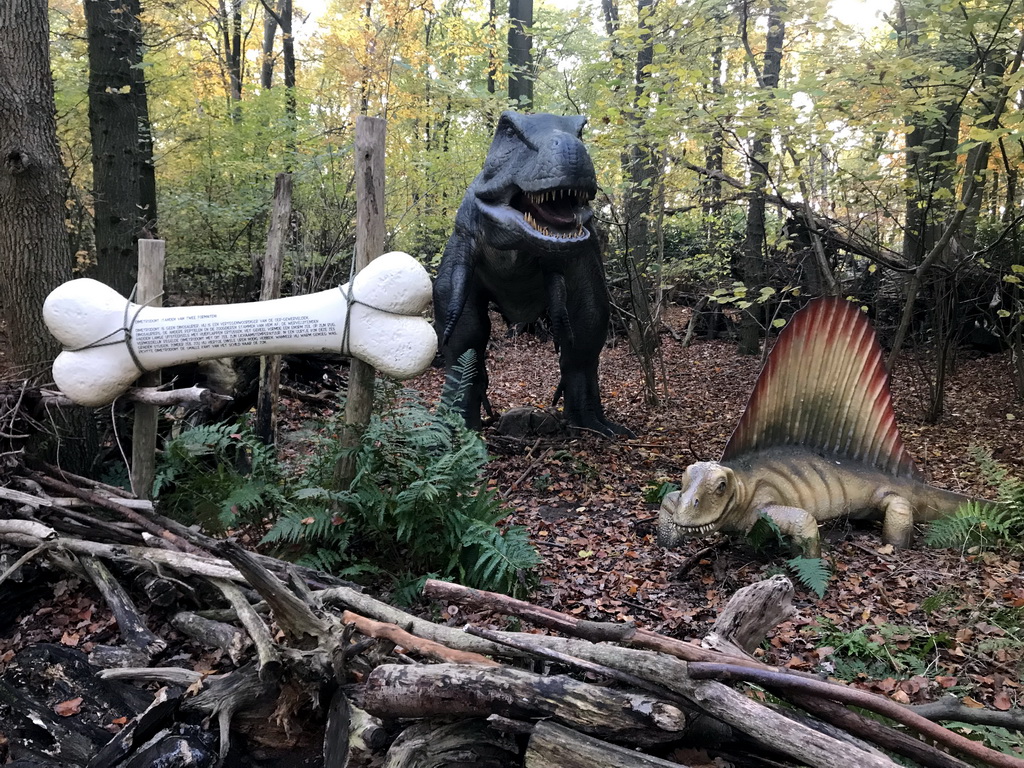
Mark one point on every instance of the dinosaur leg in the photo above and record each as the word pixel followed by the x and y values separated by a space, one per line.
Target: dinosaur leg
pixel 898 524
pixel 470 332
pixel 580 325
pixel 798 524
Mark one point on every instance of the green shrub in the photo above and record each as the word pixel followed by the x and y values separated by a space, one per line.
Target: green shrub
pixel 417 506
pixel 220 476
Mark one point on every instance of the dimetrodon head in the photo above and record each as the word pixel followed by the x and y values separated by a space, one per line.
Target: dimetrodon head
pixel 536 184
pixel 711 499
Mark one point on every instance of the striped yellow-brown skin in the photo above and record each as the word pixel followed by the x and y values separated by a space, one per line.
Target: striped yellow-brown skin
pixel 797 490
pixel 818 440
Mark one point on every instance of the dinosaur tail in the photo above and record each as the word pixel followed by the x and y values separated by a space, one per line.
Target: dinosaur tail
pixel 931 503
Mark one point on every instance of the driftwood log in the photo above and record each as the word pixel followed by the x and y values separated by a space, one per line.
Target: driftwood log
pixel 306 658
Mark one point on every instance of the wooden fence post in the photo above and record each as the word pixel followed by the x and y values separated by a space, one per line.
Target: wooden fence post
pixel 273 264
pixel 370 133
pixel 149 292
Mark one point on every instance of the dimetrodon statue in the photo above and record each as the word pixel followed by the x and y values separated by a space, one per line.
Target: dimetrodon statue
pixel 818 440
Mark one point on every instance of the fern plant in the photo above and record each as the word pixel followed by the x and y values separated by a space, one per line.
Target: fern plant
pixel 220 476
pixel 982 525
pixel 813 572
pixel 417 505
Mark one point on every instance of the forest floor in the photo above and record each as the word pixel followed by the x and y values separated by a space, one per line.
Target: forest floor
pixel 911 624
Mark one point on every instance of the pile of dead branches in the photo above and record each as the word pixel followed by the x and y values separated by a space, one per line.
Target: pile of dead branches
pixel 310 654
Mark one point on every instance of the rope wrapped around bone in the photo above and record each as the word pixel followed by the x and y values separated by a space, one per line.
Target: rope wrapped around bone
pixel 110 341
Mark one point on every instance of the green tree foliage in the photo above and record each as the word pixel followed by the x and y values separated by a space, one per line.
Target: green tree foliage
pixel 862 155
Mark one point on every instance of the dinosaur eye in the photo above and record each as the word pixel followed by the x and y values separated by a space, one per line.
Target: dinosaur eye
pixel 696 501
pixel 721 488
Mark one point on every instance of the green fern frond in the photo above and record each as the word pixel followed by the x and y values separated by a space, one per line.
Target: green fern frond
pixel 764 532
pixel 812 572
pixel 979 524
pixel 418 503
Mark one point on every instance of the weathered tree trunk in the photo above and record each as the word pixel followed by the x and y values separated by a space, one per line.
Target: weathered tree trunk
pixel 122 155
pixel 752 258
pixel 273 265
pixel 452 745
pixel 34 257
pixel 553 746
pixel 370 133
pixel 520 54
pixel 459 690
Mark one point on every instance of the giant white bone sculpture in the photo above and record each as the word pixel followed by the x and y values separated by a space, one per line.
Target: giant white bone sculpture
pixel 110 341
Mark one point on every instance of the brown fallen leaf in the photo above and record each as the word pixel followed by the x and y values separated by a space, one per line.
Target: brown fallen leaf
pixel 69 707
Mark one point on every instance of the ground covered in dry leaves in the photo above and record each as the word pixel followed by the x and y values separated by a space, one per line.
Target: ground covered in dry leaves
pixel 912 624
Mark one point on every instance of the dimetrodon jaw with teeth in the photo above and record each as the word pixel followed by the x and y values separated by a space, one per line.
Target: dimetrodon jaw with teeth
pixel 818 440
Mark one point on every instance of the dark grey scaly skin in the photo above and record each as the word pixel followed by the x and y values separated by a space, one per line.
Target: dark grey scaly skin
pixel 524 239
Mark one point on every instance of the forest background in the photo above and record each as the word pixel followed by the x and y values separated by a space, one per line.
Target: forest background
pixel 749 153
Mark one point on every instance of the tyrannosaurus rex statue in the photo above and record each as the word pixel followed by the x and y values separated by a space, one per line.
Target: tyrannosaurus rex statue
pixel 818 440
pixel 524 240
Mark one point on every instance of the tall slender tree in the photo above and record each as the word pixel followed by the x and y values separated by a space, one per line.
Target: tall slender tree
pixel 752 255
pixel 520 53
pixel 34 257
pixel 124 188
pixel 641 167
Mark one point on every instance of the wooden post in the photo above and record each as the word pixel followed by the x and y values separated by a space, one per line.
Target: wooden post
pixel 150 292
pixel 369 245
pixel 273 264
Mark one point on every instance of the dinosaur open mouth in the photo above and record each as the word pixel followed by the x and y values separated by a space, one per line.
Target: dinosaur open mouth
pixel 556 213
pixel 706 528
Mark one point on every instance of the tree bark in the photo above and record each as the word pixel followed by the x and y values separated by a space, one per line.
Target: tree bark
pixel 273 265
pixel 752 258
pixel 370 134
pixel 553 746
pixel 640 167
pixel 458 690
pixel 34 254
pixel 116 96
pixel 520 54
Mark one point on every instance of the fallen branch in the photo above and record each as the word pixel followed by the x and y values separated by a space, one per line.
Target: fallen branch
pixel 129 514
pixel 872 702
pixel 475 599
pixel 29 534
pixel 269 664
pixel 129 622
pixel 555 746
pixel 428 648
pixel 950 708
pixel 889 738
pixel 461 690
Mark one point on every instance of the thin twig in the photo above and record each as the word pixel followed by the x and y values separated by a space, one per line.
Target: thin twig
pixel 45 546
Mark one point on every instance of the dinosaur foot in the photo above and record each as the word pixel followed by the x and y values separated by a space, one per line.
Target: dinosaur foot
pixel 595 423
